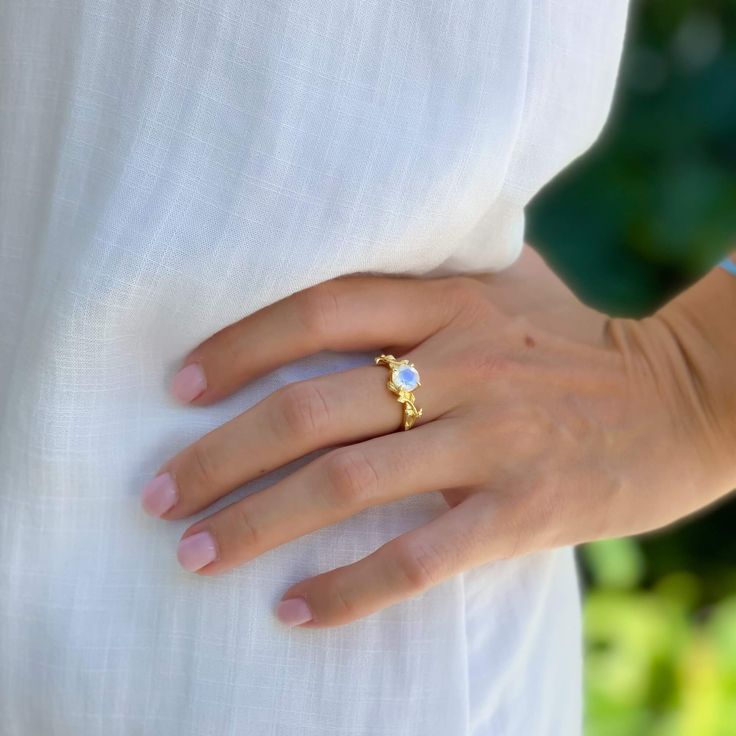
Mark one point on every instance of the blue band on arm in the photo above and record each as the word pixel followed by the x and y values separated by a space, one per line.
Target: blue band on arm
pixel 728 265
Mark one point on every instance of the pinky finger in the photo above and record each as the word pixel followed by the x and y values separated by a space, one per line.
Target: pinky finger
pixel 402 568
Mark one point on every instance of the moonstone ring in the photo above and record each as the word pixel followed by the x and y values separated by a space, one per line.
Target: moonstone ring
pixel 403 380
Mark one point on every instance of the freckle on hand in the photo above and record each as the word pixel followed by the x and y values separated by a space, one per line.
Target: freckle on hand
pixel 529 340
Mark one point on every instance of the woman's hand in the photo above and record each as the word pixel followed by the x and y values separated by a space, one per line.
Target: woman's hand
pixel 544 424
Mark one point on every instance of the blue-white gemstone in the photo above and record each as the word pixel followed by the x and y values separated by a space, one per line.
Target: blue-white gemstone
pixel 406 377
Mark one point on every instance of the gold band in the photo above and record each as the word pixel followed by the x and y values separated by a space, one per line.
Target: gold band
pixel 404 378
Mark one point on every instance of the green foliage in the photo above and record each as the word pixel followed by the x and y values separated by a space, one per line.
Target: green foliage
pixel 648 210
pixel 614 563
pixel 656 663
pixel 653 204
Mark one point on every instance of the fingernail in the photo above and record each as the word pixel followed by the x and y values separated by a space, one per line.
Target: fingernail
pixel 159 495
pixel 293 612
pixel 196 551
pixel 188 383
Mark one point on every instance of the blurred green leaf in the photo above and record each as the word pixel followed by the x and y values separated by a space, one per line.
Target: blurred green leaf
pixel 614 563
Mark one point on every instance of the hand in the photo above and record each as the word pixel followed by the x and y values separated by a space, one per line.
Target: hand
pixel 544 424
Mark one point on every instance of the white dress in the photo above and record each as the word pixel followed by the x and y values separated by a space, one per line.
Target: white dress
pixel 169 166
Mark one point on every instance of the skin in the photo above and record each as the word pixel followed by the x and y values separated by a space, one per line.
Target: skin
pixel 545 423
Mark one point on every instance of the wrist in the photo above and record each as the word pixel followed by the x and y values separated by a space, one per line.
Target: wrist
pixel 701 320
pixel 686 355
pixel 697 327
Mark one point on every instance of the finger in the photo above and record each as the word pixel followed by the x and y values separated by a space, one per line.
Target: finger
pixel 400 569
pixel 335 486
pixel 299 418
pixel 348 313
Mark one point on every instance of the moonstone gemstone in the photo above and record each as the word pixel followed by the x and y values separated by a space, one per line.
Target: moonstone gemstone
pixel 406 377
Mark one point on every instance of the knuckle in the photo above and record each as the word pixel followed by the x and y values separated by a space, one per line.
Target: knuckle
pixel 463 294
pixel 320 311
pixel 352 479
pixel 201 470
pixel 341 606
pixel 303 410
pixel 532 431
pixel 248 534
pixel 513 532
pixel 543 514
pixel 418 565
pixel 486 362
pixel 529 519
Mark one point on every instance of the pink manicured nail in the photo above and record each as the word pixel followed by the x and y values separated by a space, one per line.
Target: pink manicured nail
pixel 196 551
pixel 188 383
pixel 293 612
pixel 159 495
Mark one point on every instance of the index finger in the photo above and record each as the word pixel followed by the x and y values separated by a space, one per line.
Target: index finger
pixel 346 313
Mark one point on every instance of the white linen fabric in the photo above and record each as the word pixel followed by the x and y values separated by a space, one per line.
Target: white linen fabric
pixel 169 166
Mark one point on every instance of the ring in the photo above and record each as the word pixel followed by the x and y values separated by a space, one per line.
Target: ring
pixel 404 379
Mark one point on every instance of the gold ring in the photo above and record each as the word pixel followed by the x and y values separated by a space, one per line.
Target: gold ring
pixel 403 380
